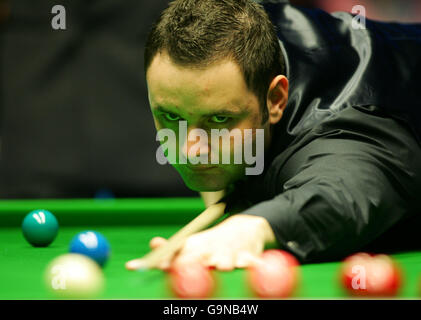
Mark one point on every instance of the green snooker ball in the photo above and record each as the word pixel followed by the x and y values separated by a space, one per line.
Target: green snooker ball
pixel 40 228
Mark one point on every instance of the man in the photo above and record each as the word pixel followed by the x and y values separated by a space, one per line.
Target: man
pixel 338 103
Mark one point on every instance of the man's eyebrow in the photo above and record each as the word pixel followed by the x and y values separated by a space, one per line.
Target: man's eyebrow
pixel 160 108
pixel 222 112
pixel 226 112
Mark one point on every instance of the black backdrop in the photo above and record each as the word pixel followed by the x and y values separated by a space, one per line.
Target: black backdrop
pixel 74 111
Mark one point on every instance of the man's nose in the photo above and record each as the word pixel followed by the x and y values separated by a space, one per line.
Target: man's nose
pixel 196 143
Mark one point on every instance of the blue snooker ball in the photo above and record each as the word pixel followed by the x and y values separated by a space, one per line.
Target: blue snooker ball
pixel 91 244
pixel 40 228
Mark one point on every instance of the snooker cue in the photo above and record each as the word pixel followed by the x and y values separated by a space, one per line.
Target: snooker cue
pixel 175 242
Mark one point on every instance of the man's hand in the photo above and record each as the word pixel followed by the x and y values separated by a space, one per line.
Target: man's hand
pixel 234 243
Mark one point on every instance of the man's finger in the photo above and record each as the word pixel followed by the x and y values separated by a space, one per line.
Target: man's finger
pixel 138 263
pixel 165 265
pixel 245 259
pixel 134 264
pixel 190 257
pixel 222 261
pixel 157 242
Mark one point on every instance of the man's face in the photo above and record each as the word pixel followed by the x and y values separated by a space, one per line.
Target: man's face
pixel 212 98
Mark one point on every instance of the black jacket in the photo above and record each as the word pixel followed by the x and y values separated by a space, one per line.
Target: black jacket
pixel 343 173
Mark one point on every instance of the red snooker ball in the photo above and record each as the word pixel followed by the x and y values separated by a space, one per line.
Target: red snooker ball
pixel 275 275
pixel 364 274
pixel 191 281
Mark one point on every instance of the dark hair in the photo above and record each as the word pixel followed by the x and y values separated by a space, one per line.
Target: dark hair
pixel 197 33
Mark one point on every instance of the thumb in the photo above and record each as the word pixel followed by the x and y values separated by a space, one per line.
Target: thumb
pixel 157 242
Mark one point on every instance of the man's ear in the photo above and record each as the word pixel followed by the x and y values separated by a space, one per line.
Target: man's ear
pixel 277 98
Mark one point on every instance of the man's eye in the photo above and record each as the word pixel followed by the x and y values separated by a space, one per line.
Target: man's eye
pixel 171 117
pixel 219 119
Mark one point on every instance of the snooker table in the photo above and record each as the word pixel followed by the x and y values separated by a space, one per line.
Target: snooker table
pixel 129 224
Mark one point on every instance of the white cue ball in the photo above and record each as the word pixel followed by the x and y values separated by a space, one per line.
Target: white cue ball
pixel 74 276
